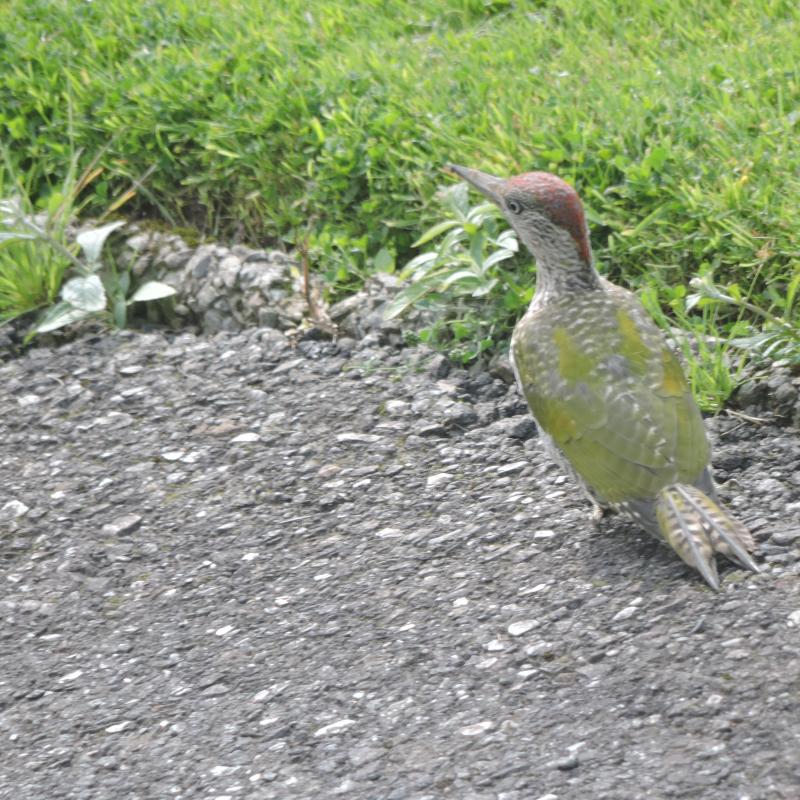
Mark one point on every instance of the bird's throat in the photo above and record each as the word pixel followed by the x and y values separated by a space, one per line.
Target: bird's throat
pixel 564 276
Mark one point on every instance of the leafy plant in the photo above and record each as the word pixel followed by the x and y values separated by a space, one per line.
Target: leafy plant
pixel 476 299
pixel 93 287
pixel 36 254
pixel 460 262
pixel 31 272
pixel 779 338
pixel 712 367
pixel 30 276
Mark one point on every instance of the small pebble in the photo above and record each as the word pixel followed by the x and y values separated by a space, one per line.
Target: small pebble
pixel 476 729
pixel 250 436
pixel 439 479
pixel 334 727
pixel 522 626
pixel 626 613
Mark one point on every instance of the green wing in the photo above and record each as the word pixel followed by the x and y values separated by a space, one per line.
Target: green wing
pixel 613 398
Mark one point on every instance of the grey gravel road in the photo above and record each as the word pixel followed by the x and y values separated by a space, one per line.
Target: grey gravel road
pixel 236 569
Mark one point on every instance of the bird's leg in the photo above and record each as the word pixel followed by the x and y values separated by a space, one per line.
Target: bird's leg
pixel 599 511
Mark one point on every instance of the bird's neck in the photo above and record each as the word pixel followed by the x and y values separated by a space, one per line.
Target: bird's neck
pixel 561 275
pixel 564 264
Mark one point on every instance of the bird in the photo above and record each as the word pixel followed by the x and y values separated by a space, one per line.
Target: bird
pixel 608 395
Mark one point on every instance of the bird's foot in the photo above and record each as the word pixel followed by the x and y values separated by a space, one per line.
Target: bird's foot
pixel 598 512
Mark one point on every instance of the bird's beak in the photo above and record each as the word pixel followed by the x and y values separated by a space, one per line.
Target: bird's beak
pixel 486 184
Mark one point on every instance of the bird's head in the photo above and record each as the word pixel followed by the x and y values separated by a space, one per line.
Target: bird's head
pixel 546 213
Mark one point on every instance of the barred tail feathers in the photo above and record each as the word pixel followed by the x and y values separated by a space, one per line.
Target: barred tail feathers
pixel 697 527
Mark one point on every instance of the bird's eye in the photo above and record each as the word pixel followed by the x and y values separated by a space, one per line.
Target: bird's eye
pixel 514 206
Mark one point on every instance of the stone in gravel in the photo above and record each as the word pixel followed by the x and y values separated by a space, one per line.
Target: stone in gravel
pixel 510 469
pixel 397 408
pixel 539 649
pixel 437 480
pixel 249 436
pixel 288 366
pixel 500 367
pixel 364 755
pixel 518 427
pixel 338 311
pixel 334 727
pixel 540 587
pixel 522 626
pixel 13 509
pixel 625 613
pixel 769 486
pixel 119 726
pixel 437 367
pixel 215 690
pixel 565 764
pixel 477 728
pixel 427 428
pixel 786 537
pixel 127 523
pixel 228 271
pixel 357 438
pixel 461 415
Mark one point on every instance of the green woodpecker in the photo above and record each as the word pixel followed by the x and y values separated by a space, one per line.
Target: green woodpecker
pixel 607 393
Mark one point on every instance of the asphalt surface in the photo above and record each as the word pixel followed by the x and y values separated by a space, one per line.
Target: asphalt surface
pixel 232 568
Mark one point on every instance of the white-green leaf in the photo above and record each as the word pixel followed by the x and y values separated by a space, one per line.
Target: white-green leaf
pixel 11 210
pixel 692 300
pixel 407 298
pixel 480 213
pixel 508 240
pixel 419 263
pixel 476 249
pixel 436 230
pixel 484 288
pixel 709 289
pixel 384 260
pixel 496 258
pixel 85 292
pixel 59 315
pixel 456 198
pixel 119 310
pixel 152 290
pixel 6 238
pixel 451 243
pixel 460 276
pixel 92 241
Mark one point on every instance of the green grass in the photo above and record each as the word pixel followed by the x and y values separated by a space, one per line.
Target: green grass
pixel 329 122
pixel 31 272
pixel 30 277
